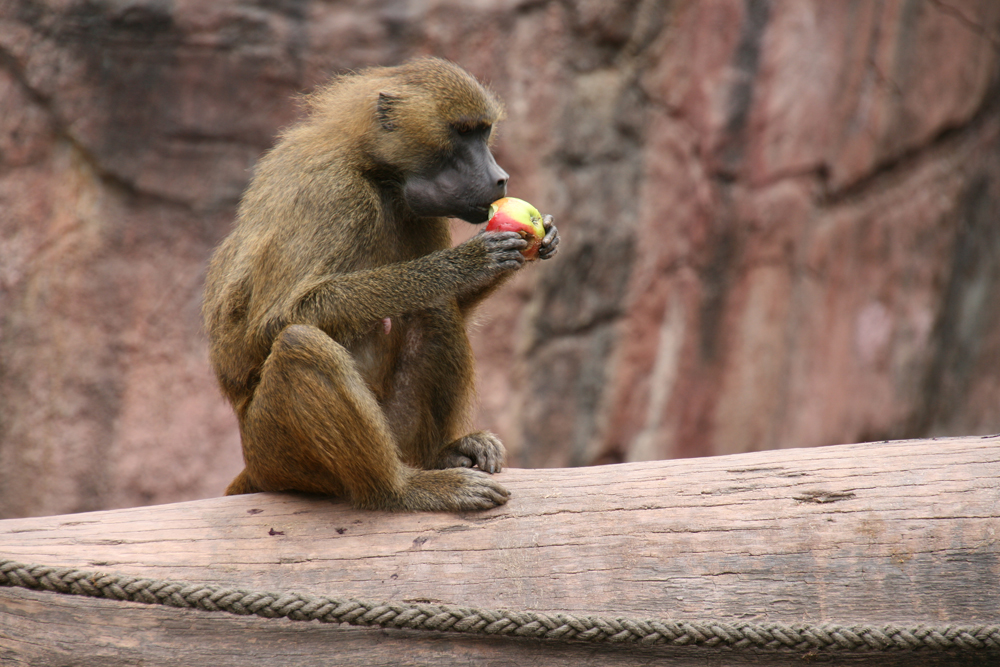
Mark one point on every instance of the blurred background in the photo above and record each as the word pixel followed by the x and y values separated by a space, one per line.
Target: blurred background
pixel 780 221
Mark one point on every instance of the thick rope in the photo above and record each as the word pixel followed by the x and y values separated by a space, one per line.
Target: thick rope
pixel 440 618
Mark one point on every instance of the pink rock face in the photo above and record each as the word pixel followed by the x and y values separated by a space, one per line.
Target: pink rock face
pixel 779 224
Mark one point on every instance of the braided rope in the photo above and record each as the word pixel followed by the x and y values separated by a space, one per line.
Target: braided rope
pixel 440 618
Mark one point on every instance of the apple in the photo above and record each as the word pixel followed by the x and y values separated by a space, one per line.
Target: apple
pixel 516 215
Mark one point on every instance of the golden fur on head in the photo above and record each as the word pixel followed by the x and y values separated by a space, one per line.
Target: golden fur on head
pixel 402 100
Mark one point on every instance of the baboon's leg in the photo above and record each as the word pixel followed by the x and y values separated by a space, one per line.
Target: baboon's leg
pixel 313 425
pixel 432 394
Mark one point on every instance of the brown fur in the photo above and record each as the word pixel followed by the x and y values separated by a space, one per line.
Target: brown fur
pixel 324 250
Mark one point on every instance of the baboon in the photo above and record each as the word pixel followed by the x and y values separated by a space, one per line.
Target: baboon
pixel 337 307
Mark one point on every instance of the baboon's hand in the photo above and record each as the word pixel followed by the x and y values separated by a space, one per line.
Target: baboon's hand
pixel 503 250
pixel 480 448
pixel 550 244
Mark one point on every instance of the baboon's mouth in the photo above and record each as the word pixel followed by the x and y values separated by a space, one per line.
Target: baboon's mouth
pixel 480 214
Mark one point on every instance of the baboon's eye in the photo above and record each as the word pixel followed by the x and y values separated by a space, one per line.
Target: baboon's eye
pixel 465 128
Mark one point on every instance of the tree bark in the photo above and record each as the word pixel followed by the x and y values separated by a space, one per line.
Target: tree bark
pixel 901 532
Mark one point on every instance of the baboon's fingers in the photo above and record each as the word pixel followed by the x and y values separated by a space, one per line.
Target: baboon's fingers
pixel 455 460
pixel 482 447
pixel 550 243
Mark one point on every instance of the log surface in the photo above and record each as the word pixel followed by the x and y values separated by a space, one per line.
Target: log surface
pixel 902 532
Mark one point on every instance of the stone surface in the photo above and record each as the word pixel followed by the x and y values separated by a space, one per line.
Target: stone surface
pixel 779 223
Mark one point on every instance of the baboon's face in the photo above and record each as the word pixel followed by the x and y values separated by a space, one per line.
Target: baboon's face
pixel 461 182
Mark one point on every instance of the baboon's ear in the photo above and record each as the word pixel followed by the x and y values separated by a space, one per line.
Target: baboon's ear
pixel 385 109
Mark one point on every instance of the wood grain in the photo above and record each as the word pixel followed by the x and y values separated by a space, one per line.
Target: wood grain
pixel 902 532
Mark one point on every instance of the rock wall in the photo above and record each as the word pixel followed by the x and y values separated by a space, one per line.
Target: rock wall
pixel 780 223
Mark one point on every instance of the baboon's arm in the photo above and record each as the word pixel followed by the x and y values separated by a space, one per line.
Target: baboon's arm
pixel 348 304
pixel 469 299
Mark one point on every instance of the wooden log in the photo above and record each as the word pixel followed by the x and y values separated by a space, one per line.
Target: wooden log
pixel 902 532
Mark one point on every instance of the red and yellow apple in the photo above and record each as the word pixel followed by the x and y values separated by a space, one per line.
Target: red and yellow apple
pixel 516 215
